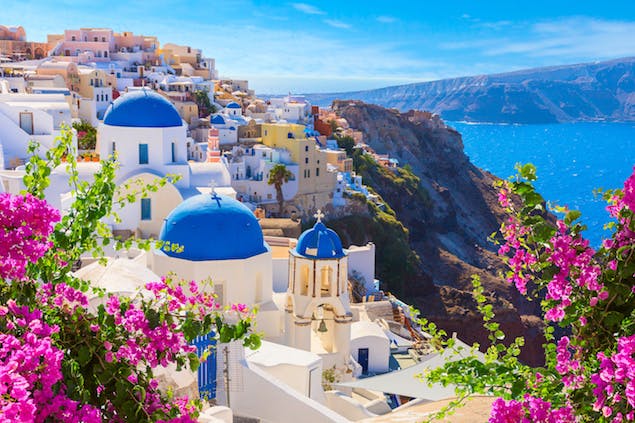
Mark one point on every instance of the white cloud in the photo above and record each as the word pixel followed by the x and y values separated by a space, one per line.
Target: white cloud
pixel 582 37
pixel 386 19
pixel 574 38
pixel 337 24
pixel 308 9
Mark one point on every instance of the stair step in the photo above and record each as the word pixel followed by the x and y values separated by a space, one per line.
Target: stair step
pixel 244 419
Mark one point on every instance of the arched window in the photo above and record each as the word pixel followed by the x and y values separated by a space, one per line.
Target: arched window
pixel 326 277
pixel 304 280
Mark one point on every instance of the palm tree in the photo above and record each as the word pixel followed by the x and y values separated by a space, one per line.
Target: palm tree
pixel 279 175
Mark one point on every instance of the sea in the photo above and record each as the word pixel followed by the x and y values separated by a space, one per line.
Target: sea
pixel 573 160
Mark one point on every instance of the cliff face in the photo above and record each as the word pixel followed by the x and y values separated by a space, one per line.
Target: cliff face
pixel 449 219
pixel 582 92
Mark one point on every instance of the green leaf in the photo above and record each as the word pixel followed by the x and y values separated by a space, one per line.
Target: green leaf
pixel 528 171
pixel 572 216
pixel 84 355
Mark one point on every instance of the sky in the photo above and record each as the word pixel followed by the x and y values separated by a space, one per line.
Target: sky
pixel 347 45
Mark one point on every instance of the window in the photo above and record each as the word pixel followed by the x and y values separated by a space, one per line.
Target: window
pixel 173 153
pixel 143 153
pixel 105 54
pixel 306 148
pixel 306 160
pixel 308 173
pixel 95 39
pixel 317 171
pixel 114 147
pixel 146 209
pixel 72 38
pixel 103 39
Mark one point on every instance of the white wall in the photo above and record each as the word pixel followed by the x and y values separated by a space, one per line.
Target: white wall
pixel 280 274
pixel 88 110
pixel 14 140
pixel 362 260
pixel 159 140
pixel 347 406
pixel 265 397
pixel 163 201
pixel 238 276
pixel 369 335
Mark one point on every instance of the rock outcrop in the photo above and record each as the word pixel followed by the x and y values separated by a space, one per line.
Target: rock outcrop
pixel 449 219
pixel 602 91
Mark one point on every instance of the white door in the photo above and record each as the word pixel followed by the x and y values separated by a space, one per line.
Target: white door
pixel 26 122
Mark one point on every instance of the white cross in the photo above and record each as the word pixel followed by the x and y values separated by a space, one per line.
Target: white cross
pixel 319 215
pixel 215 196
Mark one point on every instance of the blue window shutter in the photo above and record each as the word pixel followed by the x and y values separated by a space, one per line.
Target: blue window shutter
pixel 146 209
pixel 143 153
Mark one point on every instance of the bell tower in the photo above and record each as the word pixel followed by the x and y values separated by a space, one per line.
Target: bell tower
pixel 318 316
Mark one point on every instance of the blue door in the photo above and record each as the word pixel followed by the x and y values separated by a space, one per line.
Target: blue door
pixel 362 359
pixel 146 209
pixel 207 369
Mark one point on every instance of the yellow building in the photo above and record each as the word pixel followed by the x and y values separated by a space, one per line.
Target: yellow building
pixel 315 183
pixel 95 85
pixel 175 54
pixel 338 159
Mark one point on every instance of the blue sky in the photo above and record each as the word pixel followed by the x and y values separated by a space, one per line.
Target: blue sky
pixel 327 46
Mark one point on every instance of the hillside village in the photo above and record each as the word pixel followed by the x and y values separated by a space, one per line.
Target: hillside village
pixel 250 172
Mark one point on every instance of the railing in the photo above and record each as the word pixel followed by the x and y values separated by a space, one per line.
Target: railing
pixel 207 369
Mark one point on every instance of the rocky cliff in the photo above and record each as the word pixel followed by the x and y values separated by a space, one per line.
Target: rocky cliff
pixel 449 207
pixel 582 92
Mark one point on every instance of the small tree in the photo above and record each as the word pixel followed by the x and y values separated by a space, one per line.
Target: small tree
pixel 279 175
pixel 202 101
pixel 346 142
pixel 86 135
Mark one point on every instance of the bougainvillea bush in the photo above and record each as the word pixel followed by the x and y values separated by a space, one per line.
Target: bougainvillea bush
pixel 587 294
pixel 61 362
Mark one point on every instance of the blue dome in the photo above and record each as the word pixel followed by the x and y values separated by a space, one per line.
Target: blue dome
pixel 142 109
pixel 233 105
pixel 218 120
pixel 213 228
pixel 320 242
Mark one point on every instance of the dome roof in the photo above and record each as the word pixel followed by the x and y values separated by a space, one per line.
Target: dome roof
pixel 320 242
pixel 213 228
pixel 218 120
pixel 142 109
pixel 233 105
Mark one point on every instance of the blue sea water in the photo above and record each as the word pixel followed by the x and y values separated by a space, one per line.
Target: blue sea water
pixel 572 160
